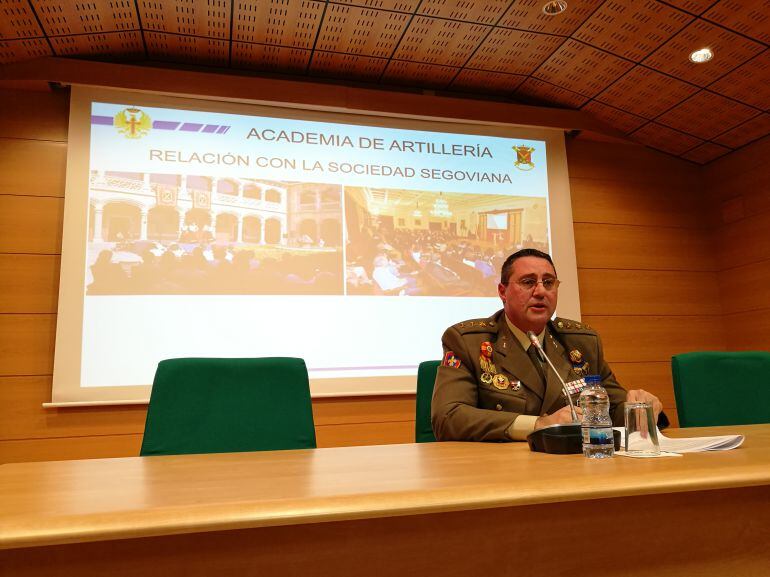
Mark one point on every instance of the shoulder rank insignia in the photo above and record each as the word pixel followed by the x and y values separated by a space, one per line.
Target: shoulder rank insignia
pixel 450 360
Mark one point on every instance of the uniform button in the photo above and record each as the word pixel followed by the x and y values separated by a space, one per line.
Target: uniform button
pixel 499 407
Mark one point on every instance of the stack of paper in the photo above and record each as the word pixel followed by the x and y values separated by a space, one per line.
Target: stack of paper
pixel 689 445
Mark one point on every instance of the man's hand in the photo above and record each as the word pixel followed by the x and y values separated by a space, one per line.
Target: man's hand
pixel 642 396
pixel 561 417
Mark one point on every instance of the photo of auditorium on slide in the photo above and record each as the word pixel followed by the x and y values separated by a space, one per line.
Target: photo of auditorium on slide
pixel 426 243
pixel 152 234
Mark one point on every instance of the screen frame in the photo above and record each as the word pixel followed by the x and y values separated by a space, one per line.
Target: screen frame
pixel 69 331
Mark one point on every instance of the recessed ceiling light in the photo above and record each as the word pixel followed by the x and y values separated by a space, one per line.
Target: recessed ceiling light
pixel 555 7
pixel 702 55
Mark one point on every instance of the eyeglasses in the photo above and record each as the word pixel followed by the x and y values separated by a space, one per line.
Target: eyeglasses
pixel 529 284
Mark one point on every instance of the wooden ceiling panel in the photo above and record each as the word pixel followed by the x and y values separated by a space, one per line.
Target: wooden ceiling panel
pixel 647 93
pixel 707 114
pixel 692 6
pixel 17 20
pixel 62 18
pixel 418 74
pixel 749 83
pixel 270 58
pixel 528 15
pixel 632 30
pixel 539 92
pixel 583 68
pixel 749 18
pixel 483 82
pixel 434 41
pixel 483 12
pixel 210 18
pixel 347 66
pixel 20 50
pixel 749 131
pixel 665 138
pixel 117 44
pixel 361 31
pixel 706 152
pixel 396 5
pixel 730 50
pixel 187 49
pixel 614 117
pixel 514 51
pixel 283 22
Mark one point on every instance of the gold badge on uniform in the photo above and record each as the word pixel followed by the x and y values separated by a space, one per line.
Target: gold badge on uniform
pixel 500 382
pixel 579 365
pixel 486 378
pixel 516 385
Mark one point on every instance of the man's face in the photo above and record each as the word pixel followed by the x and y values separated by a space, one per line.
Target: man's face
pixel 529 309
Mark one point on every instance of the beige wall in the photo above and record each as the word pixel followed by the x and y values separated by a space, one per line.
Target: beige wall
pixel 648 275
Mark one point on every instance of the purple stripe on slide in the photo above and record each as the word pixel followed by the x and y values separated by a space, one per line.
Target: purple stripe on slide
pixel 165 125
pixel 210 128
pixel 222 129
pixel 191 127
pixel 311 369
pixel 106 120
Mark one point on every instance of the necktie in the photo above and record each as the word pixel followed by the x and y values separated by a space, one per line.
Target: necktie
pixel 533 354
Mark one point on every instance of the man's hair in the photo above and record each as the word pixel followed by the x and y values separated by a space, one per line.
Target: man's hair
pixel 505 272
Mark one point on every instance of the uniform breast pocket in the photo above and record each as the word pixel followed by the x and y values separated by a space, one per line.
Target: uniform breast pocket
pixel 502 400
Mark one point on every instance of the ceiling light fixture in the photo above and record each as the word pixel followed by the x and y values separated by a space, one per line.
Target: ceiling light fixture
pixel 702 55
pixel 554 8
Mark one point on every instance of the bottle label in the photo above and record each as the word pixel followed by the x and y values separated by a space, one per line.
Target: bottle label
pixel 597 436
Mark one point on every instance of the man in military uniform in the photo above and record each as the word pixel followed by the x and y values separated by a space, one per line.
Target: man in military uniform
pixel 493 386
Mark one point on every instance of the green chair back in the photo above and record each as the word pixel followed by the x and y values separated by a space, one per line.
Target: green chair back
pixel 426 377
pixel 201 405
pixel 715 388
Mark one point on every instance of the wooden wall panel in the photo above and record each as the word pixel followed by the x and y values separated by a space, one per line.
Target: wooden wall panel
pixel 619 246
pixel 35 115
pixel 656 338
pixel 353 410
pixel 744 241
pixel 739 185
pixel 365 434
pixel 748 331
pixel 745 288
pixel 29 283
pixel 26 344
pixel 648 292
pixel 629 164
pixel 65 448
pixel 31 224
pixel 24 417
pixel 653 376
pixel 636 202
pixel 32 167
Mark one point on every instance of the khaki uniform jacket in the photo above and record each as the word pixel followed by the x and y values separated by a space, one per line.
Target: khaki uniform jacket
pixel 466 409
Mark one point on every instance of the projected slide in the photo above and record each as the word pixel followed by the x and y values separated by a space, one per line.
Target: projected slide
pixel 264 232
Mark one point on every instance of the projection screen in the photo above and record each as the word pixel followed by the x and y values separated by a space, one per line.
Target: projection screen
pixel 218 229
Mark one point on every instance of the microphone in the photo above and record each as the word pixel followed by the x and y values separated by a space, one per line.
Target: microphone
pixel 541 353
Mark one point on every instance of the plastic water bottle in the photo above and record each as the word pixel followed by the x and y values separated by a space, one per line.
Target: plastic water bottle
pixel 598 442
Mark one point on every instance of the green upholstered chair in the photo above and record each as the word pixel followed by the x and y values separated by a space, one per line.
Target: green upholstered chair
pixel 715 388
pixel 201 405
pixel 426 377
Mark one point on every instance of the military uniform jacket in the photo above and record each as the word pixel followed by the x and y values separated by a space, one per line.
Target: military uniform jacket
pixel 465 408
